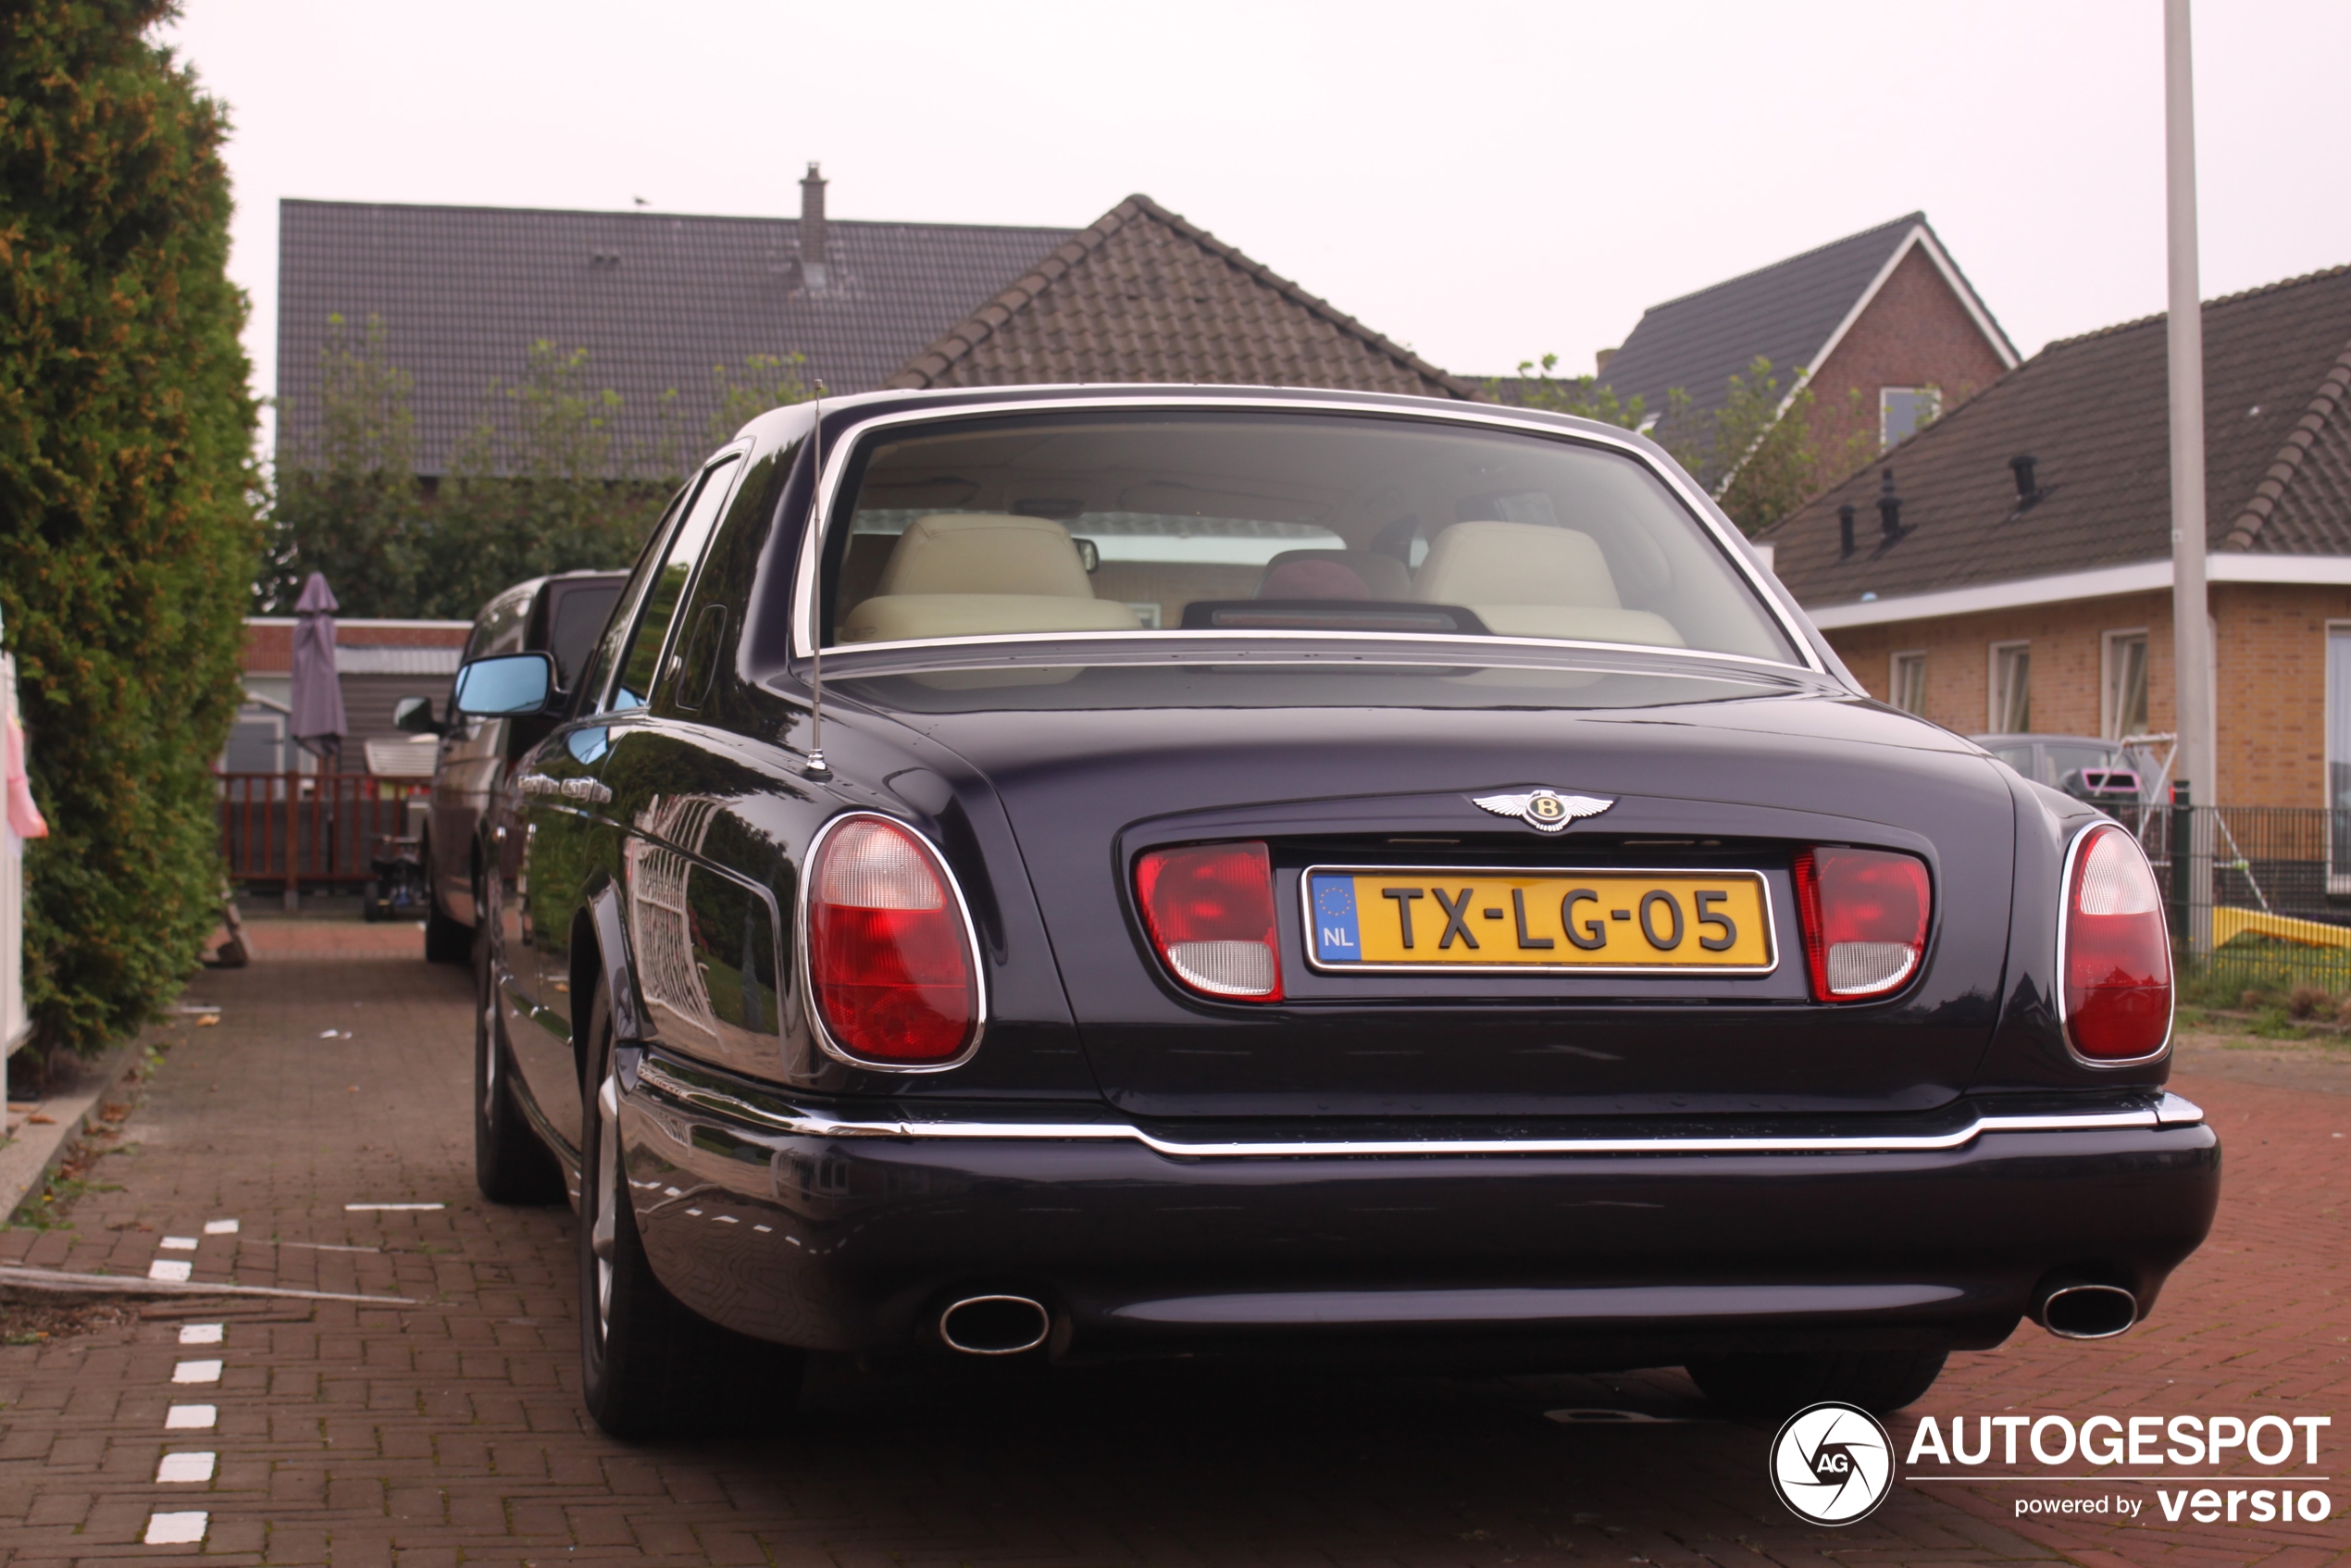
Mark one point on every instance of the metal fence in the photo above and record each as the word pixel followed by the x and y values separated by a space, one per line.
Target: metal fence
pixel 294 830
pixel 2258 897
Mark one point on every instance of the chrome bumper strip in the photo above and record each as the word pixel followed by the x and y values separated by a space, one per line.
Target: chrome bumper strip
pixel 2172 1112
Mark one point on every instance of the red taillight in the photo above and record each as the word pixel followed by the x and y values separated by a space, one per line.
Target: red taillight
pixel 2118 956
pixel 1864 913
pixel 888 964
pixel 1211 911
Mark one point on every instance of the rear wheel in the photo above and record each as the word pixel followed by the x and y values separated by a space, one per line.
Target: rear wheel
pixel 446 941
pixel 648 1366
pixel 510 1164
pixel 1878 1381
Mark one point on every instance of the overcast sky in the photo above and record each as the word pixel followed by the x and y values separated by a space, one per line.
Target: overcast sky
pixel 1482 181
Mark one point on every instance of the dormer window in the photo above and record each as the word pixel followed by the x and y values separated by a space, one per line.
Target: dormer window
pixel 1902 410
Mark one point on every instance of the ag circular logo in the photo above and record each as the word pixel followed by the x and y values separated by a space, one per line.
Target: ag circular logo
pixel 1832 1464
pixel 1544 806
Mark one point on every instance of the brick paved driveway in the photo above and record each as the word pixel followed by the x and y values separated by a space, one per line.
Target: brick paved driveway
pixel 448 1432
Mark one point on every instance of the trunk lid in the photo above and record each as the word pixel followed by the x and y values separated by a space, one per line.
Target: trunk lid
pixel 1727 788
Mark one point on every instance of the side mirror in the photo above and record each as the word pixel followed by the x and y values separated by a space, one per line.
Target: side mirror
pixel 412 716
pixel 507 686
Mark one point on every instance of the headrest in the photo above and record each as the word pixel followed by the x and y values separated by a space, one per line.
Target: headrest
pixel 1382 576
pixel 984 552
pixel 1515 564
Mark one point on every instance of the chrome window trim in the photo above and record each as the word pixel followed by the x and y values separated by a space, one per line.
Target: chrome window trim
pixel 838 458
pixel 734 455
pixel 825 1041
pixel 2064 928
pixel 1549 971
pixel 2171 1110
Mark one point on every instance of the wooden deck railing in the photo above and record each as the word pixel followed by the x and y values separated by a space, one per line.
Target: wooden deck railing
pixel 311 828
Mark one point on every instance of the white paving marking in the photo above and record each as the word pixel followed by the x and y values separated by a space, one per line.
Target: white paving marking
pixel 196 1372
pixel 171 1271
pixel 178 1244
pixel 184 1467
pixel 373 1208
pixel 200 1333
pixel 728 1219
pixel 220 1227
pixel 191 1418
pixel 175 1529
pixel 764 1230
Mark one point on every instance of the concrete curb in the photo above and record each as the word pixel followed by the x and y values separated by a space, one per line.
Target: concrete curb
pixel 27 1159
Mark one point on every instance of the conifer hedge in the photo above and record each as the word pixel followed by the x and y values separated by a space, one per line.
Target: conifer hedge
pixel 128 532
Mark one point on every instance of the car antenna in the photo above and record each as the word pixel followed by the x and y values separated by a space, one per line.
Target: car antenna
pixel 816 769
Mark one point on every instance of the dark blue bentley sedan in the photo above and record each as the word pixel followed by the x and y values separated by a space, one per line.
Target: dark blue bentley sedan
pixel 1118 872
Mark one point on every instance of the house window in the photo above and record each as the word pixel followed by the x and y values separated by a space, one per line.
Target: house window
pixel 1907 689
pixel 2123 707
pixel 2011 708
pixel 1902 410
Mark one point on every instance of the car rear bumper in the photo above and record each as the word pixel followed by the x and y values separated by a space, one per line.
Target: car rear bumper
pixel 1548 1247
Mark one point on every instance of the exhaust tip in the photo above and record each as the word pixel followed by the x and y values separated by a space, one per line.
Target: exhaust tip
pixel 2088 1311
pixel 994 1325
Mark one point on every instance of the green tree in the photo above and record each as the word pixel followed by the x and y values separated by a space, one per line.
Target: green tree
pixel 127 499
pixel 540 484
pixel 765 382
pixel 543 481
pixel 1762 453
pixel 1583 396
pixel 353 508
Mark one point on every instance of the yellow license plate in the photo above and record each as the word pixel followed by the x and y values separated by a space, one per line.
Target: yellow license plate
pixel 1422 917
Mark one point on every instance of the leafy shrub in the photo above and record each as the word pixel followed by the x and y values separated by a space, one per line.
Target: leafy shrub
pixel 126 487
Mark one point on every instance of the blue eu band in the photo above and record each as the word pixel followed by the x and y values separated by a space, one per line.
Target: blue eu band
pixel 1337 939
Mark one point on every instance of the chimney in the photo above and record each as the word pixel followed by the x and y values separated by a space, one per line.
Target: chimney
pixel 1889 509
pixel 1599 360
pixel 1844 531
pixel 811 230
pixel 2027 490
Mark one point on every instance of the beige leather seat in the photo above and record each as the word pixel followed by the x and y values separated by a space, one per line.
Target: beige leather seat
pixel 980 574
pixel 1524 579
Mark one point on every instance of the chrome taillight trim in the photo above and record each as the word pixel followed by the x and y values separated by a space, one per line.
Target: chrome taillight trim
pixel 815 1014
pixel 2171 1110
pixel 2065 929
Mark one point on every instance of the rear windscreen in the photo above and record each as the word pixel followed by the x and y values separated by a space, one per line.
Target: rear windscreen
pixel 1255 522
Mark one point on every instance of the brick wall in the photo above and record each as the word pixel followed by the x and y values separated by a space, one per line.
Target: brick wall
pixel 1914 333
pixel 2269 676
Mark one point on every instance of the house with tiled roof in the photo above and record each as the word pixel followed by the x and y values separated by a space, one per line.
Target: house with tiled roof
pixel 1882 325
pixel 2008 567
pixel 659 300
pixel 1144 295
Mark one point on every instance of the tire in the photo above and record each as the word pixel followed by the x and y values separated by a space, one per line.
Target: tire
pixel 1768 1385
pixel 510 1164
pixel 648 1366
pixel 446 941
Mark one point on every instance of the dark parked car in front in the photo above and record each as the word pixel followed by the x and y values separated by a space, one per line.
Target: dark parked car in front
pixel 561 615
pixel 1114 872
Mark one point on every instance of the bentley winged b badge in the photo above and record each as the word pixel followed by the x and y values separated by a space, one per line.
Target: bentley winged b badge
pixel 1545 811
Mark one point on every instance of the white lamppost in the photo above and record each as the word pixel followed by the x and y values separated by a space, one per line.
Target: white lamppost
pixel 2191 627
